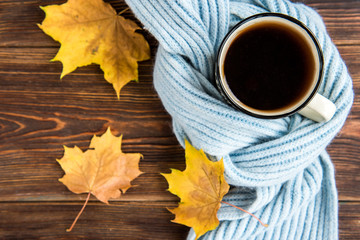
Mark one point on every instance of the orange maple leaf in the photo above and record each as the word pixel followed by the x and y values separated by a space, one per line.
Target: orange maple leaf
pixel 103 170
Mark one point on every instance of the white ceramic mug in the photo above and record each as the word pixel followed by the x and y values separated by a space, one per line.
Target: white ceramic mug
pixel 310 104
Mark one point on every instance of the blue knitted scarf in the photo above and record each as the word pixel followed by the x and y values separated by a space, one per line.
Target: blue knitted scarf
pixel 279 168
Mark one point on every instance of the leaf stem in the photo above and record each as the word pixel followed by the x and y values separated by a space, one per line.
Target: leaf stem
pixel 265 225
pixel 77 217
pixel 123 11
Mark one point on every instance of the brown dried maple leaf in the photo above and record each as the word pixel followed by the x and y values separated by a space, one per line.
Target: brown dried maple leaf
pixel 103 170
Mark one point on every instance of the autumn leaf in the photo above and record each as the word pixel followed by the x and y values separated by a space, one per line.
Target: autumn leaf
pixel 90 31
pixel 103 170
pixel 200 187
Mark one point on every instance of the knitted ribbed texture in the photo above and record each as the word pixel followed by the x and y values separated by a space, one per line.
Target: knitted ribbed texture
pixel 280 169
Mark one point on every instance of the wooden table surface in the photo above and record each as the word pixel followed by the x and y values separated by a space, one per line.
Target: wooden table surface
pixel 39 114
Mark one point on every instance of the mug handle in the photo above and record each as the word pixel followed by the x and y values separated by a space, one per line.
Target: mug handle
pixel 319 109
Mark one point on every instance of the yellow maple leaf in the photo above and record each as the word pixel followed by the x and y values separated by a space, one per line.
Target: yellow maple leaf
pixel 102 170
pixel 90 31
pixel 200 187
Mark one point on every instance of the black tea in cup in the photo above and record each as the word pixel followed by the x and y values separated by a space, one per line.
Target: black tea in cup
pixel 269 67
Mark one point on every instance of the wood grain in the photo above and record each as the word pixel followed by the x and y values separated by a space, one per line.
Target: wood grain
pixel 39 113
pixel 349 220
pixel 19 18
pixel 124 220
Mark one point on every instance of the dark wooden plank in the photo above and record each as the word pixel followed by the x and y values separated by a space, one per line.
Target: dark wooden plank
pixel 342 19
pixel 18 21
pixel 125 220
pixel 349 224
